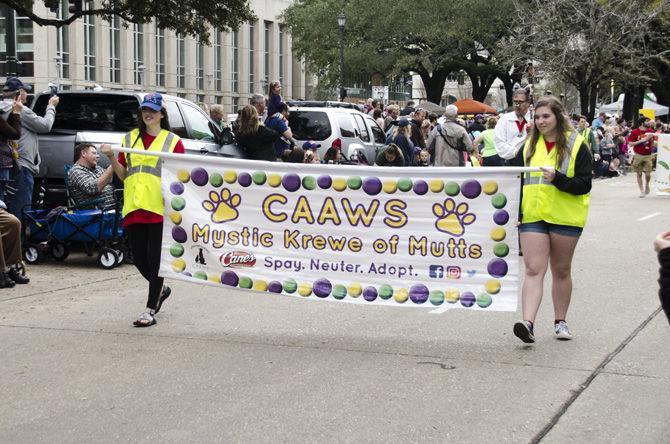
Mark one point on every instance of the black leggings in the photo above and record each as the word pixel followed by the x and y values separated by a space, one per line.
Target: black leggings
pixel 145 243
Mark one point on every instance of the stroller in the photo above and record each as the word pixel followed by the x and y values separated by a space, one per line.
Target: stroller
pixel 55 230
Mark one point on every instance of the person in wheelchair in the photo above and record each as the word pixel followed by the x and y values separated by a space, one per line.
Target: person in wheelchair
pixel 10 249
pixel 89 184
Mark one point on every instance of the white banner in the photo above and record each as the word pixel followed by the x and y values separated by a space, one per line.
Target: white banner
pixel 663 165
pixel 435 237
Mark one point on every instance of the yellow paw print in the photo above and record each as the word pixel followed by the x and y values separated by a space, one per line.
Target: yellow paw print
pixel 452 219
pixel 223 206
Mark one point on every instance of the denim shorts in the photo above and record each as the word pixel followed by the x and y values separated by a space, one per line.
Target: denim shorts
pixel 546 228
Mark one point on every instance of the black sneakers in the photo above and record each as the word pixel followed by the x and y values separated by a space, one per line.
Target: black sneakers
pixel 17 277
pixel 524 331
pixel 6 281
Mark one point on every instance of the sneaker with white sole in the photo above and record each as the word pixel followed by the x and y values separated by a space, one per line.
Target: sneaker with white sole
pixel 524 331
pixel 562 331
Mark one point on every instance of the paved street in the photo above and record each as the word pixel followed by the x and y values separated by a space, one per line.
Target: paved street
pixel 224 366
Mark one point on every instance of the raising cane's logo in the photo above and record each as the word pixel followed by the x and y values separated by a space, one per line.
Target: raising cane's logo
pixel 238 259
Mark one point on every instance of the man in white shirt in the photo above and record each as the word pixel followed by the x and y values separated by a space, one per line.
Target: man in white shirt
pixel 512 128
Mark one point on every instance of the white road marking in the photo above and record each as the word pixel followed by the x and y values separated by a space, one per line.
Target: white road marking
pixel 439 310
pixel 648 217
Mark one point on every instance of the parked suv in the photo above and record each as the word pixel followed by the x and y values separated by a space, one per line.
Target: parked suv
pixel 332 124
pixel 104 117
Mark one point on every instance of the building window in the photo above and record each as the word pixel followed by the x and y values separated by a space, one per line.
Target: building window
pixel 138 50
pixel 181 61
pixel 200 66
pixel 63 43
pixel 236 104
pixel 89 46
pixel 280 62
pixel 252 31
pixel 235 72
pixel 160 56
pixel 267 32
pixel 114 49
pixel 217 60
pixel 23 44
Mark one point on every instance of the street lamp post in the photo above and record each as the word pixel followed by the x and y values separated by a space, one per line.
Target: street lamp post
pixel 341 21
pixel 59 64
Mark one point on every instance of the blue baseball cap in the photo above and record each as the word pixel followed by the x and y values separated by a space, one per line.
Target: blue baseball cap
pixel 153 101
pixel 14 84
pixel 309 145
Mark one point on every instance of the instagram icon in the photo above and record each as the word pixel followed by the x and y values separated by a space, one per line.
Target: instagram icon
pixel 453 272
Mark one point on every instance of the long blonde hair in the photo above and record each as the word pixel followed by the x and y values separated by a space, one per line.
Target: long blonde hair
pixel 247 121
pixel 404 130
pixel 563 127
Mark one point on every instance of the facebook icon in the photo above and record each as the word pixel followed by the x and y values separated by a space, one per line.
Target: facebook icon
pixel 436 271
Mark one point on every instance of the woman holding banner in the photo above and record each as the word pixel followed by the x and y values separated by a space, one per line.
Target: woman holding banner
pixel 142 196
pixel 554 206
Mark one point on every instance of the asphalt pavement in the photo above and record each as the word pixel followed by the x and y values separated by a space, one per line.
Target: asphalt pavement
pixel 227 366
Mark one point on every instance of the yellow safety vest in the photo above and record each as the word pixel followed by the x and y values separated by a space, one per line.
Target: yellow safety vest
pixel 587 139
pixel 541 200
pixel 142 186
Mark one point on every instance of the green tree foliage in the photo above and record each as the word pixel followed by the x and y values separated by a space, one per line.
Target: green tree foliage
pixel 393 38
pixel 587 42
pixel 189 17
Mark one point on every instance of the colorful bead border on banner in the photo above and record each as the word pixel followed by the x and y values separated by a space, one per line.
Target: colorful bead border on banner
pixel 323 288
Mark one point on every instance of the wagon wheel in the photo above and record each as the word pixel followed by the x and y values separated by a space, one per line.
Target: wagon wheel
pixel 31 254
pixel 120 256
pixel 59 251
pixel 107 258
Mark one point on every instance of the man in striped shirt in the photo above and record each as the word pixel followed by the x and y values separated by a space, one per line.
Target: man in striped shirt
pixel 87 181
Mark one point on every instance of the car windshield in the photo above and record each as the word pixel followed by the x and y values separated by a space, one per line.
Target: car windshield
pixel 97 112
pixel 309 125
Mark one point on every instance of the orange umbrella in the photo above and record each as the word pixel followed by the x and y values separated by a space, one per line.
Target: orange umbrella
pixel 469 106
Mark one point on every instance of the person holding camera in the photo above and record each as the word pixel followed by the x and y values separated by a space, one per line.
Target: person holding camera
pixel 29 154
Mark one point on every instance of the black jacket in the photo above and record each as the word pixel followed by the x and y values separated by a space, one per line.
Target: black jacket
pixel 260 146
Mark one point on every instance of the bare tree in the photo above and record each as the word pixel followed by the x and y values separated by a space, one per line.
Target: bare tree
pixel 587 42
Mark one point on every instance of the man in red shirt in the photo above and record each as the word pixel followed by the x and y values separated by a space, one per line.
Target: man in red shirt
pixel 642 141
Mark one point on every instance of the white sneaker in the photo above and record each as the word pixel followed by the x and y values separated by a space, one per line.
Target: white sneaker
pixel 562 332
